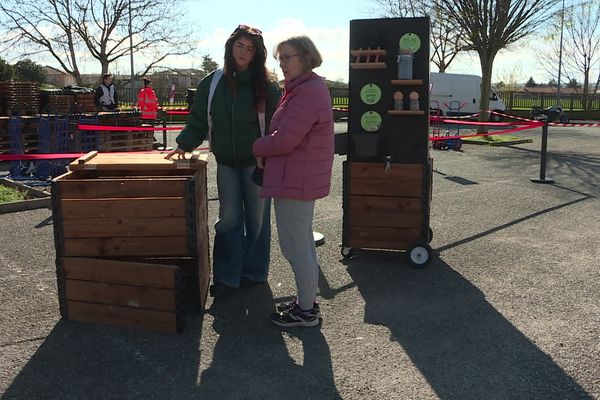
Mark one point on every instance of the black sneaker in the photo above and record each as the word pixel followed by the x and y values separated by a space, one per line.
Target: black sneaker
pixel 221 290
pixel 295 317
pixel 281 307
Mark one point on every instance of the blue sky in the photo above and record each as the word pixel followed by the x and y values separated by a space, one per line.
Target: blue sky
pixel 326 22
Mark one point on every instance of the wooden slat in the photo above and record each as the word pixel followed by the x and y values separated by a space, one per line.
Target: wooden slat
pixel 383 187
pixel 385 211
pixel 383 238
pixel 371 179
pixel 131 162
pixel 123 208
pixel 203 261
pixel 158 321
pixel 406 82
pixel 372 65
pixel 120 272
pixel 121 295
pixel 142 246
pixel 368 52
pixel 361 170
pixel 406 112
pixel 123 227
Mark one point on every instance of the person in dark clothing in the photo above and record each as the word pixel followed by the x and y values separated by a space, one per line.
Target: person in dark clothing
pixel 105 97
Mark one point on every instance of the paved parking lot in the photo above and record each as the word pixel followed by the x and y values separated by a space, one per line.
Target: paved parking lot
pixel 509 309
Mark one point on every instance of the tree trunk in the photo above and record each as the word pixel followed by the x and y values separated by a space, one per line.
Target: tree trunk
pixel 586 90
pixel 487 62
pixel 104 65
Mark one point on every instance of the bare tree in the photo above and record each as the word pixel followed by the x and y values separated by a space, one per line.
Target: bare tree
pixel 447 38
pixel 512 77
pixel 70 30
pixel 583 50
pixel 492 25
pixel 581 44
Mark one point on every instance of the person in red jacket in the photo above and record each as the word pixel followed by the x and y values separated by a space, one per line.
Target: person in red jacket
pixel 147 101
pixel 298 158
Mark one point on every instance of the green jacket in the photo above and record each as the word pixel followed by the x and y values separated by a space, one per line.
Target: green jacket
pixel 234 116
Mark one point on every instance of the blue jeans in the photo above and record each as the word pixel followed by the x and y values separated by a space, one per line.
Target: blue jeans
pixel 242 244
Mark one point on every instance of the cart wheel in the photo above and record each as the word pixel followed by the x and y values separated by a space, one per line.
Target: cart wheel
pixel 347 252
pixel 420 256
pixel 429 235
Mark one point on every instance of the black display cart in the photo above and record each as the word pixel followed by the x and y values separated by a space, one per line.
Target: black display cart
pixel 388 172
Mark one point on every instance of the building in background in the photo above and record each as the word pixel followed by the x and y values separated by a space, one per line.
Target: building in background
pixel 58 78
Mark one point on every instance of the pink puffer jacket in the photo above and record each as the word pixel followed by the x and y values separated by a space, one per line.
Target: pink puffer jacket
pixel 299 151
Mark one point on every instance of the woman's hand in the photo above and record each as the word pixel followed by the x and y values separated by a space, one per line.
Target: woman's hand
pixel 260 163
pixel 177 152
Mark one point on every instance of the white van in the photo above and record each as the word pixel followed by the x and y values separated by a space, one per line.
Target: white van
pixel 459 94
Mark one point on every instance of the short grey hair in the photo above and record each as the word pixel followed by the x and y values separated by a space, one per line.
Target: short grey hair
pixel 310 56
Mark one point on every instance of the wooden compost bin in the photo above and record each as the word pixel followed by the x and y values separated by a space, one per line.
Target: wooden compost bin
pixel 131 240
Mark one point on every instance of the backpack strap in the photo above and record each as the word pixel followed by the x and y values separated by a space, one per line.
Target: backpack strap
pixel 211 92
pixel 262 119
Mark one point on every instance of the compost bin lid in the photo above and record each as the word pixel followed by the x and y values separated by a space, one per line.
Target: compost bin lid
pixel 136 161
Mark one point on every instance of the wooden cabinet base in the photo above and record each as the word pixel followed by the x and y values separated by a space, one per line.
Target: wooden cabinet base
pixel 386 208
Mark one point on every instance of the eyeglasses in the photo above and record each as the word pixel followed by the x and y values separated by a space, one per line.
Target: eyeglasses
pixel 284 58
pixel 249 29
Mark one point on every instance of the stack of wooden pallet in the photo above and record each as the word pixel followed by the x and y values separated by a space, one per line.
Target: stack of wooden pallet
pixel 68 103
pixel 4 136
pixel 30 134
pixel 19 98
pixel 123 140
pixel 26 135
pixel 59 104
pixel 84 102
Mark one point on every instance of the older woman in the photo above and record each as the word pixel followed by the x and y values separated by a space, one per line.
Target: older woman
pixel 298 157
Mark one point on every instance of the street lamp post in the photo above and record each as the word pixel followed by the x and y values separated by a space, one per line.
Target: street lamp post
pixel 131 53
pixel 562 22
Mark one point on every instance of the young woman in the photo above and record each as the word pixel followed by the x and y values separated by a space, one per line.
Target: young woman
pixel 298 158
pixel 243 96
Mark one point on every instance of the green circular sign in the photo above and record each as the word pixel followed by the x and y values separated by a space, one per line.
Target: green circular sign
pixel 370 94
pixel 370 121
pixel 410 42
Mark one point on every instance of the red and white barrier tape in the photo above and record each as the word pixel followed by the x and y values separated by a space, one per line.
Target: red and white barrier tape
pixel 522 128
pixel 550 123
pixel 84 127
pixel 61 156
pixel 186 112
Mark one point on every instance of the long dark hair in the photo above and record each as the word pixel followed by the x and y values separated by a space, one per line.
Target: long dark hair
pixel 260 75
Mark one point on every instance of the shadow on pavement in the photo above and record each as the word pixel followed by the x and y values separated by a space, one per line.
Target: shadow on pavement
pixel 251 359
pixel 462 345
pixel 573 166
pixel 85 361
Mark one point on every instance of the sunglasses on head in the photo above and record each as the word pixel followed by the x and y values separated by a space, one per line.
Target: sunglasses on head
pixel 249 29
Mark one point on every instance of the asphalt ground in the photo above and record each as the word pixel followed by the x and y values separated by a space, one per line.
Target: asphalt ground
pixel 509 308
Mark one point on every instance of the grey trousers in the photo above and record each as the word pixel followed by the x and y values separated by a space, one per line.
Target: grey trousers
pixel 294 228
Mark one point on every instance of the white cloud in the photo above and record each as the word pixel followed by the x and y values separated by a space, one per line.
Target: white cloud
pixel 333 44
